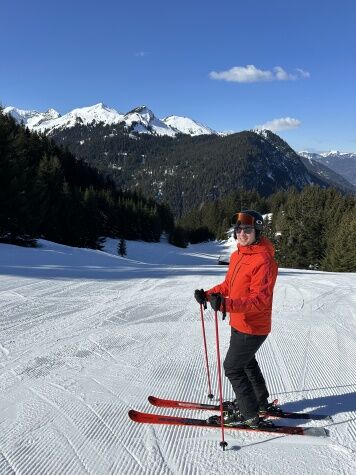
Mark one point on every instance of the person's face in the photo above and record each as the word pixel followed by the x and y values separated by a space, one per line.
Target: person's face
pixel 246 235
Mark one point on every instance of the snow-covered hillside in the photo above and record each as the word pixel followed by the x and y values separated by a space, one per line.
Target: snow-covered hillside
pixel 141 119
pixel 32 119
pixel 187 126
pixel 86 335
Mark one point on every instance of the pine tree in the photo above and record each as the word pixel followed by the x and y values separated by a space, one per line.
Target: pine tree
pixel 121 247
pixel 92 220
pixel 48 193
pixel 178 237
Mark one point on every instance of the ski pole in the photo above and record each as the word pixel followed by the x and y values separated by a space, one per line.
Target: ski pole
pixel 223 444
pixel 210 395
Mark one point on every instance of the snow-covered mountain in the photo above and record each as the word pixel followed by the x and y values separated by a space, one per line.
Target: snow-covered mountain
pixel 144 121
pixel 336 154
pixel 328 157
pixel 32 119
pixel 140 120
pixel 99 113
pixel 343 163
pixel 52 120
pixel 184 125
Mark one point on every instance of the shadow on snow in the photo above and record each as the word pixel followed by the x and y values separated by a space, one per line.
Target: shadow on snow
pixel 330 405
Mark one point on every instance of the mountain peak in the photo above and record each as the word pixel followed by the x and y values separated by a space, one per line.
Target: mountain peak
pixel 263 132
pixel 52 112
pixel 31 118
pixel 142 111
pixel 99 105
pixel 185 125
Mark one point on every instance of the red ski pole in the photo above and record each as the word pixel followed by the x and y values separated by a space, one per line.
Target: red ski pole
pixel 223 444
pixel 210 395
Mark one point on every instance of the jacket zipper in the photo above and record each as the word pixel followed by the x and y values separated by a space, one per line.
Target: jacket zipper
pixel 234 274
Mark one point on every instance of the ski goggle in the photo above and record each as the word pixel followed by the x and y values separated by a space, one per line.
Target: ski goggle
pixel 243 218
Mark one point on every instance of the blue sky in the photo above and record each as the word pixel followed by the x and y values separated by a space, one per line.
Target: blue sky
pixel 232 65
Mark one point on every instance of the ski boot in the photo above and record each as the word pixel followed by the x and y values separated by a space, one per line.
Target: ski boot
pixel 231 414
pixel 233 417
pixel 271 408
pixel 231 406
pixel 237 419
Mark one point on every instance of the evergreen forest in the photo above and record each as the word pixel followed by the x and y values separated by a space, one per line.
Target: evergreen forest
pixel 45 192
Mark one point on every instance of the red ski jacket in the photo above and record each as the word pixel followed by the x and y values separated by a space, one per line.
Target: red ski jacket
pixel 248 287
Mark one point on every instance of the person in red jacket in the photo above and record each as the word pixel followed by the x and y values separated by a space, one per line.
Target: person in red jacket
pixel 246 293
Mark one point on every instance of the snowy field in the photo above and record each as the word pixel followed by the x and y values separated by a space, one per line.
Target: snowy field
pixel 86 335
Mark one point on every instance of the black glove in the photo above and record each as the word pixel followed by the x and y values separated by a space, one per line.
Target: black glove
pixel 216 301
pixel 200 296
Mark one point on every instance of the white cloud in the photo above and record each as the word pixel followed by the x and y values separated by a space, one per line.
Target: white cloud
pixel 242 74
pixel 250 73
pixel 303 74
pixel 281 74
pixel 284 123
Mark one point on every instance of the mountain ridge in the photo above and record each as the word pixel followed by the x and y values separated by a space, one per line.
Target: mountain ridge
pixel 342 163
pixel 171 125
pixel 141 119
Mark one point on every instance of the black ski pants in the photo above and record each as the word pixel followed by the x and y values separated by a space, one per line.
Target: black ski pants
pixel 243 372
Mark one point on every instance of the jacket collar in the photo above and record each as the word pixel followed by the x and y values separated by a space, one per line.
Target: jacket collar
pixel 263 245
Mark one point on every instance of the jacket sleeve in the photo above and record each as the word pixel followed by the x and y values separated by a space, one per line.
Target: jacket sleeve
pixel 261 290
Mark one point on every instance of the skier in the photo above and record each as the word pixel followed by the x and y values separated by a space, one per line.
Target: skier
pixel 246 293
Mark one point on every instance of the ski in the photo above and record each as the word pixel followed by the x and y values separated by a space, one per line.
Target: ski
pixel 155 401
pixel 145 418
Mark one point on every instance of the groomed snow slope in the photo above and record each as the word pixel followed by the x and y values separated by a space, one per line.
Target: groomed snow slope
pixel 85 336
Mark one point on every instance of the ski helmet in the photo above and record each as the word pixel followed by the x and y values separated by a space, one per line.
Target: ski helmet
pixel 250 218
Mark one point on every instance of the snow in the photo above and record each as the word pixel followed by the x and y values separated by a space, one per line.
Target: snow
pixel 99 113
pixel 337 154
pixel 30 118
pixel 86 335
pixel 146 122
pixel 325 155
pixel 261 131
pixel 52 120
pixel 185 125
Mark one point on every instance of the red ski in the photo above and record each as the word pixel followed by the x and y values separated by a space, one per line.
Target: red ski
pixel 155 401
pixel 146 418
